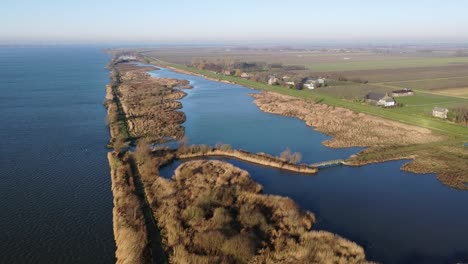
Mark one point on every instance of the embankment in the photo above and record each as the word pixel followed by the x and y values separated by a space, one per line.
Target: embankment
pixel 259 158
pixel 130 231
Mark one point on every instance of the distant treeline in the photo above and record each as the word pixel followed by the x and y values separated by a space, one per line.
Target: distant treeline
pixel 291 76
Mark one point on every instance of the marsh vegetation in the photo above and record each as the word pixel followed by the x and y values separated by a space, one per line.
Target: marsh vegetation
pixel 212 212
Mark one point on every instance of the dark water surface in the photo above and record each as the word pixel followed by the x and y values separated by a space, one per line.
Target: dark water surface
pixel 399 217
pixel 56 203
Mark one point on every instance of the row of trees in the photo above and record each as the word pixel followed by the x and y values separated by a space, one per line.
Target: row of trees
pixel 291 157
pixel 459 114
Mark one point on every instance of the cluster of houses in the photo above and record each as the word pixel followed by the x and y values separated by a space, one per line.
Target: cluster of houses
pixel 309 83
pixel 385 100
pixel 379 99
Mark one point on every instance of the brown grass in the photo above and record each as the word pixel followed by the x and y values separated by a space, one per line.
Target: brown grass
pixel 212 212
pixel 148 104
pixel 288 161
pixel 348 128
pixel 129 224
pixel 457 92
pixel 446 159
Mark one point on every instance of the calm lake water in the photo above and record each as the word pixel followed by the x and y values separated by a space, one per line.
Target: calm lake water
pixel 56 202
pixel 398 217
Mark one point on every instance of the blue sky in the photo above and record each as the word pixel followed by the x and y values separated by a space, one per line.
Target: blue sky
pixel 232 21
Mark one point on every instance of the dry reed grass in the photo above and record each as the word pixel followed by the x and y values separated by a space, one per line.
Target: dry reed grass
pixel 130 232
pixel 212 212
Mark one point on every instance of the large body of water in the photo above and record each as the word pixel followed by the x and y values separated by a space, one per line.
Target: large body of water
pixel 56 202
pixel 399 217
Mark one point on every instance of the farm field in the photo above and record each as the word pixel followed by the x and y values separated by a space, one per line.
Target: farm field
pixel 408 74
pixel 353 91
pixel 432 84
pixel 458 92
pixel 385 63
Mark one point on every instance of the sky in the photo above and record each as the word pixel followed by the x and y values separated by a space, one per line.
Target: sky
pixel 218 21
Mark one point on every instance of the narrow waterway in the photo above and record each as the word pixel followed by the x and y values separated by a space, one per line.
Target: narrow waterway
pixel 397 216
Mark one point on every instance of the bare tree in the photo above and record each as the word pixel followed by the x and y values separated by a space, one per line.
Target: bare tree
pixel 286 154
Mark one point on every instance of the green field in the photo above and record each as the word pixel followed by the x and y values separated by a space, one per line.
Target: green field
pixel 415 115
pixel 421 104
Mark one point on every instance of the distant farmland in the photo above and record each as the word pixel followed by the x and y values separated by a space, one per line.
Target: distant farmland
pixel 407 74
pixel 462 92
pixel 385 63
pixel 384 70
pixel 432 84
